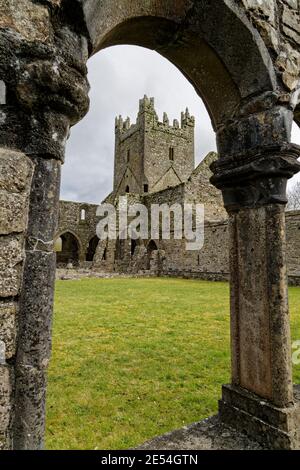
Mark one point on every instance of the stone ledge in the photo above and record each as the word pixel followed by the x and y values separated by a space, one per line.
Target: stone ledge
pixel 273 427
pixel 209 434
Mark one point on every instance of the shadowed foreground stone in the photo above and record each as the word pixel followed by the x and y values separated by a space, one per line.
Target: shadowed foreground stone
pixel 213 434
pixel 209 434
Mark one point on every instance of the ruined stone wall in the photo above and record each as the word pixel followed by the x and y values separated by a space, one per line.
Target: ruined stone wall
pixel 199 190
pixel 212 261
pixel 15 179
pixel 70 221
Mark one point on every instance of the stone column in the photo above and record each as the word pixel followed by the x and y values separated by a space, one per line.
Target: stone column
pixel 44 73
pixel 260 399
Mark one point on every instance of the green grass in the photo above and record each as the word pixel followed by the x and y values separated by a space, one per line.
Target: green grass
pixel 134 358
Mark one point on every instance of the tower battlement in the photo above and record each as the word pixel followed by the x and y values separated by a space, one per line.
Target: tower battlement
pixel 151 155
pixel 124 128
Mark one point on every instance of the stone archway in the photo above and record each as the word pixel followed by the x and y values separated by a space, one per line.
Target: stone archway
pixel 70 249
pixel 251 93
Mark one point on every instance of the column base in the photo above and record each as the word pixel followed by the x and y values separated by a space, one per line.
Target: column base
pixel 274 428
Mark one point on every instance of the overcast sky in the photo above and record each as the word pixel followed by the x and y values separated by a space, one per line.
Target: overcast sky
pixel 119 77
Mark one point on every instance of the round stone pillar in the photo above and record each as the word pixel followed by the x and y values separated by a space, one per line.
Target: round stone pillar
pixel 260 399
pixel 44 90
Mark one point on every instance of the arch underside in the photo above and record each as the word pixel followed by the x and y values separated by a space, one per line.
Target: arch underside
pixel 225 68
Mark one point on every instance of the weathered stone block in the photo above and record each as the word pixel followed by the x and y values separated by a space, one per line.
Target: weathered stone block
pixel 265 8
pixel 274 427
pixel 44 204
pixel 13 212
pixel 30 408
pixel 15 171
pixel 11 257
pixel 5 405
pixel 291 19
pixel 269 34
pixel 34 342
pixel 28 19
pixel 15 179
pixel 292 3
pixel 8 327
pixel 291 33
pixel 288 62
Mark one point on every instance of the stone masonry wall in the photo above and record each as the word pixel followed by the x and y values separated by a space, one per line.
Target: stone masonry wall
pixel 278 23
pixel 70 221
pixel 15 179
pixel 212 261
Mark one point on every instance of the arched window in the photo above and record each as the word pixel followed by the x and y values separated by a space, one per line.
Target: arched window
pixel 82 215
pixel 127 189
pixel 69 252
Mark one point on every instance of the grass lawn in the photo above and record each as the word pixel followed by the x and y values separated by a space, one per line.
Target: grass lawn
pixel 134 358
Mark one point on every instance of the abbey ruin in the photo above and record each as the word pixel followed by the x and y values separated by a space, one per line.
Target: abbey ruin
pixel 154 164
pixel 243 59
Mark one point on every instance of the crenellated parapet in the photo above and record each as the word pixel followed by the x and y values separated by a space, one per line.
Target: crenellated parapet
pixel 147 117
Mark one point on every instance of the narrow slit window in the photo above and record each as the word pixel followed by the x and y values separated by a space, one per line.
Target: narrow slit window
pixel 171 154
pixel 146 188
pixel 82 214
pixel 128 156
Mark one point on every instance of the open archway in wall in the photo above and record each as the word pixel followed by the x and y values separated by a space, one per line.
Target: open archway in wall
pixel 145 72
pixel 91 251
pixel 186 35
pixel 69 252
pixel 222 79
pixel 221 83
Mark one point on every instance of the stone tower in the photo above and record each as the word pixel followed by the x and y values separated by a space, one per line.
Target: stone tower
pixel 151 155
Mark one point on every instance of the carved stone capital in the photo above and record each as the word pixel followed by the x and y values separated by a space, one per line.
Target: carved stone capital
pixel 46 91
pixel 256 179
